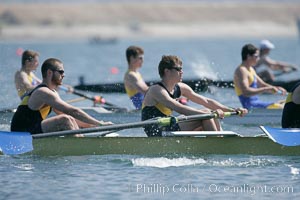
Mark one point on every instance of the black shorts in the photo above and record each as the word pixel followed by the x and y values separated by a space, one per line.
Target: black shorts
pixel 37 128
pixel 155 130
pixel 25 120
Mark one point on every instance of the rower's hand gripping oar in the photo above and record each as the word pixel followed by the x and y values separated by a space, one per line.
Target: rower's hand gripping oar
pixel 21 142
pixel 96 99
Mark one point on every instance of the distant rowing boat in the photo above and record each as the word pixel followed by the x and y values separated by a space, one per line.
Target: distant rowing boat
pixel 198 85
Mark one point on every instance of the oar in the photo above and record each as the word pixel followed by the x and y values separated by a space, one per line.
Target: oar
pixel 283 136
pixel 76 100
pixel 8 110
pixel 96 99
pixel 21 142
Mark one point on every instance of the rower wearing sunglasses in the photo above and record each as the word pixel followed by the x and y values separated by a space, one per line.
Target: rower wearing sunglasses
pixel 162 99
pixel 31 115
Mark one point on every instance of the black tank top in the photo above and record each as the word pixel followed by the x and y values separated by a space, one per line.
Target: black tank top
pixel 291 112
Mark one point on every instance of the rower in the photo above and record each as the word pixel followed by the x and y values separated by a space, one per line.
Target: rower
pixel 264 60
pixel 291 110
pixel 161 100
pixel 25 79
pixel 31 115
pixel 248 85
pixel 134 84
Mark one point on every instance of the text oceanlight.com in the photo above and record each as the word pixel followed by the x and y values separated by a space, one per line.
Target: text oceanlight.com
pixel 162 189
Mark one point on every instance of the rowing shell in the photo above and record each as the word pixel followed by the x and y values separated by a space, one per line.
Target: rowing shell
pixel 279 142
pixel 224 143
pixel 71 146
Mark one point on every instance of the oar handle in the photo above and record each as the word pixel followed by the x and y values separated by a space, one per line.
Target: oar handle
pixel 281 93
pixel 228 114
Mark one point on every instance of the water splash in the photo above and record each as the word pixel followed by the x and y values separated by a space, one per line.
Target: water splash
pixel 166 162
pixel 25 167
pixel 294 170
pixel 203 68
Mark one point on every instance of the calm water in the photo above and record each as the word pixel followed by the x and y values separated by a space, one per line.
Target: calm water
pixel 123 176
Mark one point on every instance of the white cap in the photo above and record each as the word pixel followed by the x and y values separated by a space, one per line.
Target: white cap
pixel 266 44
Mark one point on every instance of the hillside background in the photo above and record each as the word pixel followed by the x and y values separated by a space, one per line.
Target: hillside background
pixel 84 19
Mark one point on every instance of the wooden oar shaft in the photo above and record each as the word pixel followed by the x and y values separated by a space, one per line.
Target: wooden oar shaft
pixel 77 93
pixel 75 100
pixel 95 129
pixel 83 95
pixel 160 121
pixel 112 106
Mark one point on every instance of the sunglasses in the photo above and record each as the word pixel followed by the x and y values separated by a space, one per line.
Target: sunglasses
pixel 141 57
pixel 30 58
pixel 179 69
pixel 61 72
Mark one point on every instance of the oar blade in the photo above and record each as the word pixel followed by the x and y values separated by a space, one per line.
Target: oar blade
pixel 283 136
pixel 13 143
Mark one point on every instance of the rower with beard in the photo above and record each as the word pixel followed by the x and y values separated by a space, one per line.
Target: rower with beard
pixel 31 115
pixel 161 100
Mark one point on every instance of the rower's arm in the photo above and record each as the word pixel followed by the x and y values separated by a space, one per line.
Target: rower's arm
pixel 241 81
pixel 22 82
pixel 201 100
pixel 278 65
pixel 52 99
pixel 133 81
pixel 296 95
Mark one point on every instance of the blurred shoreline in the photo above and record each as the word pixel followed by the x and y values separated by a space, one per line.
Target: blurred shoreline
pixel 134 19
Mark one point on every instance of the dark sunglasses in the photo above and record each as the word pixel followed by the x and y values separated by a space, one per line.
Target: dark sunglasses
pixel 179 69
pixel 29 59
pixel 61 72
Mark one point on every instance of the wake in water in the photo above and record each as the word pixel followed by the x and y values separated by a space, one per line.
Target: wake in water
pixel 163 162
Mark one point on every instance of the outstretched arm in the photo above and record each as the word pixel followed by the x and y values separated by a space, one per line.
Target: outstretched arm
pixel 199 99
pixel 59 106
pixel 208 102
pixel 279 65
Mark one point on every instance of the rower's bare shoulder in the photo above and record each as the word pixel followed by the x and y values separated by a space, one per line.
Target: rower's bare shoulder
pixel 44 92
pixel 131 77
pixel 20 75
pixel 183 85
pixel 155 88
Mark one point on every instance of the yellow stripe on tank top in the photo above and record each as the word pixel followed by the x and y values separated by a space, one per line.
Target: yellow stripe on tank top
pixel 251 73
